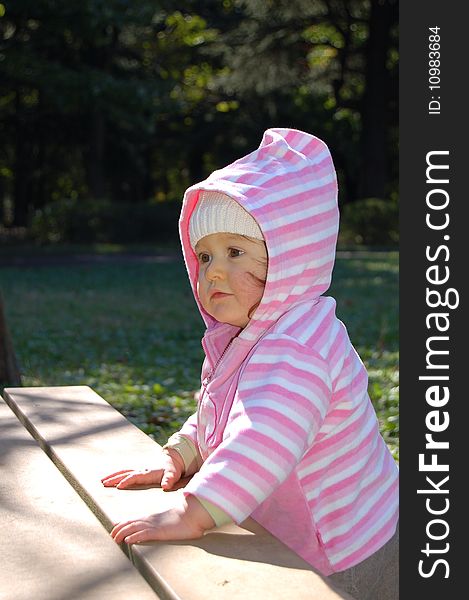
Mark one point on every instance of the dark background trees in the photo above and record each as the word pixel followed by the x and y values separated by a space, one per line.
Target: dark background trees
pixel 128 103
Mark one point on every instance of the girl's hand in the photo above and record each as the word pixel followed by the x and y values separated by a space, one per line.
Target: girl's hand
pixel 187 520
pixel 167 473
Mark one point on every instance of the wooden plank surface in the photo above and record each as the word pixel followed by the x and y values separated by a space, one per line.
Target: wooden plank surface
pixel 87 438
pixel 53 547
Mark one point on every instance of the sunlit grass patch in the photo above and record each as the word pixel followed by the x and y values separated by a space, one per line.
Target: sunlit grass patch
pixel 132 333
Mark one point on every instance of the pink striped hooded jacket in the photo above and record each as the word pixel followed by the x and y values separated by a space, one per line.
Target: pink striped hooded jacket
pixel 285 427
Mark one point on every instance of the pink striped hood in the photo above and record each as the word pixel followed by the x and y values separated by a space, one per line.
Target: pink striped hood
pixel 285 427
pixel 289 186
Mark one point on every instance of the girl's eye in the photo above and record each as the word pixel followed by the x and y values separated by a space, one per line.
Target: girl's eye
pixel 234 252
pixel 204 257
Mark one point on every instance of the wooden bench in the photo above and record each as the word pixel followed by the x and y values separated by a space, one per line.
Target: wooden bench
pixel 53 547
pixel 86 438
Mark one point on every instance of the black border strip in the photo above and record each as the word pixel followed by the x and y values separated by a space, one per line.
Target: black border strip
pixel 432 274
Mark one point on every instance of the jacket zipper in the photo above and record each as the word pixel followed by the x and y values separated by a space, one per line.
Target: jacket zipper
pixel 209 377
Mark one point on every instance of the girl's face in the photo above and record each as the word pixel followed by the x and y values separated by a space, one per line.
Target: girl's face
pixel 230 267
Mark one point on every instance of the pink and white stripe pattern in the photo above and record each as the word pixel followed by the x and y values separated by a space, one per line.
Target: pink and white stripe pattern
pixel 285 426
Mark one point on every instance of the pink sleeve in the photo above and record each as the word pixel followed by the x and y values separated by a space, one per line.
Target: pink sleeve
pixel 281 402
pixel 189 429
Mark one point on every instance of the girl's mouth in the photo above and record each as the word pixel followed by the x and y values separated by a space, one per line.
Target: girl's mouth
pixel 219 295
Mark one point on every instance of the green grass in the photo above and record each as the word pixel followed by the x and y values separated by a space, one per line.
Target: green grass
pixel 132 333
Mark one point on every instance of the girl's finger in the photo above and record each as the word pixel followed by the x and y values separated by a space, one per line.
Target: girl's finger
pixel 168 480
pixel 127 482
pixel 113 481
pixel 116 474
pixel 139 478
pixel 133 479
pixel 115 530
pixel 143 535
pixel 122 530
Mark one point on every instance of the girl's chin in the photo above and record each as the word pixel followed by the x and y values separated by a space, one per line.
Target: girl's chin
pixel 225 317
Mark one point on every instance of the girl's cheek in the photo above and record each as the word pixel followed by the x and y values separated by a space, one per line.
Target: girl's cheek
pixel 247 287
pixel 201 295
pixel 240 281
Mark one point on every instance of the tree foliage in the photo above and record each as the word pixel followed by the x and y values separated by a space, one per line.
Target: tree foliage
pixel 134 101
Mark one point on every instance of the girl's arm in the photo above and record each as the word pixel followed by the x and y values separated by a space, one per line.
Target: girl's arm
pixel 282 399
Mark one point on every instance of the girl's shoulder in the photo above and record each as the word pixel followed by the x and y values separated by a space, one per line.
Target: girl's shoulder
pixel 306 317
pixel 312 327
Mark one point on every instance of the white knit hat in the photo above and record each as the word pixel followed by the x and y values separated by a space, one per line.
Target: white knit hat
pixel 218 213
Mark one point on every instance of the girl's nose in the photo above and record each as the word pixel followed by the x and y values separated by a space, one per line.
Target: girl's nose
pixel 214 270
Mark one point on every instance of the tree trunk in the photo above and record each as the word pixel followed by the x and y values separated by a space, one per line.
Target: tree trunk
pixel 374 140
pixel 9 371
